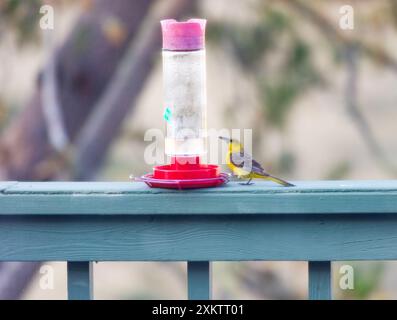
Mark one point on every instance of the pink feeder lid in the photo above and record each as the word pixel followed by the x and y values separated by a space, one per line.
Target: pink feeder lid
pixel 186 35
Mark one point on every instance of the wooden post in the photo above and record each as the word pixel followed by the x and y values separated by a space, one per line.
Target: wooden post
pixel 199 280
pixel 320 280
pixel 80 284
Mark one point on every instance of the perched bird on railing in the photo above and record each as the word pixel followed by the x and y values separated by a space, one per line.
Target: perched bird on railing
pixel 245 167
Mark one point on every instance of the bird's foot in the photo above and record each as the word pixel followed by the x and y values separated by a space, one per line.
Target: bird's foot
pixel 248 183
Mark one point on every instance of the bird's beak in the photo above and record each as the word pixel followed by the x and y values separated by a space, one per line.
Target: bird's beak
pixel 223 138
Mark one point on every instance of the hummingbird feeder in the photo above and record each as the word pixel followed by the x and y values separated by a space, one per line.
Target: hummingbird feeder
pixel 185 108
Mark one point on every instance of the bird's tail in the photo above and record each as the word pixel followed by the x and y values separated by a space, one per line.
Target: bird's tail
pixel 280 181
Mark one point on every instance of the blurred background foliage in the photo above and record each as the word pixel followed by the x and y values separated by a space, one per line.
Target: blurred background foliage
pixel 252 46
pixel 22 17
pixel 321 102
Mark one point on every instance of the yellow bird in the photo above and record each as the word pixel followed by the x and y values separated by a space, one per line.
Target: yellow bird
pixel 245 167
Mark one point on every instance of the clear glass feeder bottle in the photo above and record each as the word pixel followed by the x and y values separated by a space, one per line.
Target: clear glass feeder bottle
pixel 184 81
pixel 185 109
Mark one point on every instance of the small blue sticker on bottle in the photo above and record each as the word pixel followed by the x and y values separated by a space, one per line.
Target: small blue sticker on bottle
pixel 167 114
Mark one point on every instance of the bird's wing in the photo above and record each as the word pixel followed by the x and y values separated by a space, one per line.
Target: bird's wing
pixel 257 168
pixel 245 161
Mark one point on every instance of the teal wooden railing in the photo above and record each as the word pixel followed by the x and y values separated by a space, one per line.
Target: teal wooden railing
pixel 80 223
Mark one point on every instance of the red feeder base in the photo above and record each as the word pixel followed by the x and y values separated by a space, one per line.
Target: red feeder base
pixel 185 173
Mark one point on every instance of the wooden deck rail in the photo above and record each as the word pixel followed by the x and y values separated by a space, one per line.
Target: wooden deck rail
pixel 78 222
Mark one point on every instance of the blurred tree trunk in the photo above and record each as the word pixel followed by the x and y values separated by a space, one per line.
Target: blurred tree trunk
pixel 84 67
